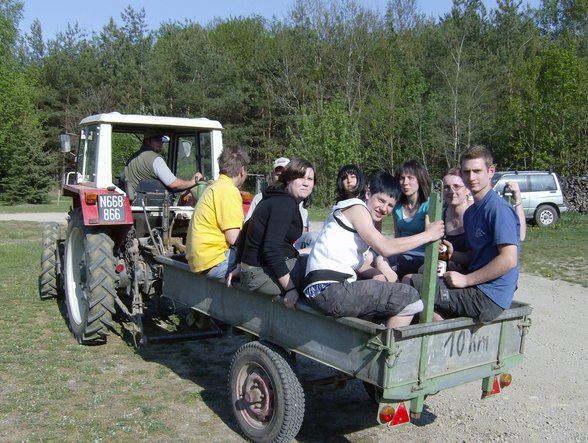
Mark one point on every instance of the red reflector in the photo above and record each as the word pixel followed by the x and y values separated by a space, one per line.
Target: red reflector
pixel 495 389
pixel 91 199
pixel 387 414
pixel 401 415
pixel 505 380
pixel 120 267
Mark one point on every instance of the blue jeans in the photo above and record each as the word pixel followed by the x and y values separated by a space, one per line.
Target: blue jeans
pixel 220 271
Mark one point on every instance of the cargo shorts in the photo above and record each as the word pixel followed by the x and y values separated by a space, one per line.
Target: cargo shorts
pixel 461 302
pixel 367 299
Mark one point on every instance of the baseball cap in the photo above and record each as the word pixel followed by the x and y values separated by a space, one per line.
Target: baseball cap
pixel 281 162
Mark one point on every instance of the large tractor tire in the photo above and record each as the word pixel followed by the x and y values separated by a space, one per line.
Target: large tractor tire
pixel 89 275
pixel 50 281
pixel 266 396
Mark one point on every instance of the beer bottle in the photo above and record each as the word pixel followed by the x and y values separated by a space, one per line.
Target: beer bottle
pixel 443 259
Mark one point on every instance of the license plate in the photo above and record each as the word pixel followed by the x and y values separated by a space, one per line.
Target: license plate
pixel 111 208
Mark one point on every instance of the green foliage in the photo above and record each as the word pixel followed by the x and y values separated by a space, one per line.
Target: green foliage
pixel 25 170
pixel 333 81
pixel 329 139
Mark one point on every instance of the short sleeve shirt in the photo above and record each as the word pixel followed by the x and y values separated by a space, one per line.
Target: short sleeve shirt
pixel 220 208
pixel 489 223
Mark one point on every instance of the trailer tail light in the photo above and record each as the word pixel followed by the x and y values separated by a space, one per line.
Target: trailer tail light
pixel 393 417
pixel 91 199
pixel 120 268
pixel 387 414
pixel 505 380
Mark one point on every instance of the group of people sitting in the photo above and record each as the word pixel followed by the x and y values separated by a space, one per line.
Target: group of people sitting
pixel 350 268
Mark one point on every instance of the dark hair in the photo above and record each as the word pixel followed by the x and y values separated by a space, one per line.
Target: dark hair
pixel 231 159
pixel 296 168
pixel 384 182
pixel 413 167
pixel 359 190
pixel 478 151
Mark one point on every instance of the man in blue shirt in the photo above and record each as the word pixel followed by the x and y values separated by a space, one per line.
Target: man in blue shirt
pixel 493 235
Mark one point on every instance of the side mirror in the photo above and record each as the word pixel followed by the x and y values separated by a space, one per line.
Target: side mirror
pixel 65 143
pixel 186 148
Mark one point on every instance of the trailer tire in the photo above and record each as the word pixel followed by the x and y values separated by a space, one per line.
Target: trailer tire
pixel 89 275
pixel 50 285
pixel 266 396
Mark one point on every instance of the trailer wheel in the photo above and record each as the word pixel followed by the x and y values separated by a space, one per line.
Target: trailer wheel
pixel 265 394
pixel 89 282
pixel 50 278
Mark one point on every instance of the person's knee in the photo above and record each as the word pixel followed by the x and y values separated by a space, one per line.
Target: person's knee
pixel 412 308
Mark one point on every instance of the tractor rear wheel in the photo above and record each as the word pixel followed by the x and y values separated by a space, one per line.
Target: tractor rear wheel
pixel 50 278
pixel 89 281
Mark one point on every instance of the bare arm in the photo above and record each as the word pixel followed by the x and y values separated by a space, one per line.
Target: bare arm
pixel 518 207
pixel 231 235
pixel 500 265
pixel 363 224
pixel 181 185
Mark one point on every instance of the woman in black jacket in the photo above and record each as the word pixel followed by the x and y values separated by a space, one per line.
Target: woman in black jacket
pixel 269 262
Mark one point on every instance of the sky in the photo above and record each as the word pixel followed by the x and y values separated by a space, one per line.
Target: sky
pixel 92 16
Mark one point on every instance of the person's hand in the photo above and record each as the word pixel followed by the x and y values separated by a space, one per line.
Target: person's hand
pixel 233 274
pixel 197 177
pixel 455 279
pixel 449 247
pixel 515 189
pixel 290 299
pixel 436 230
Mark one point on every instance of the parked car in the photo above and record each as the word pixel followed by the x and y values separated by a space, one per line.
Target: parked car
pixel 541 193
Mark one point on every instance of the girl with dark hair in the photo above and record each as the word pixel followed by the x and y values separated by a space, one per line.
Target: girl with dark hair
pixel 409 214
pixel 269 262
pixel 351 182
pixel 338 259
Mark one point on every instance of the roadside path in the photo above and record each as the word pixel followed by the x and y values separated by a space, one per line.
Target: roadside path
pixel 43 217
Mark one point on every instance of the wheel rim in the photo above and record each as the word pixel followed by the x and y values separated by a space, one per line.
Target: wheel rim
pixel 255 395
pixel 546 217
pixel 76 276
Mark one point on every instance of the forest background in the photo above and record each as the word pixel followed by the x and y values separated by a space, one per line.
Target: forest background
pixel 333 81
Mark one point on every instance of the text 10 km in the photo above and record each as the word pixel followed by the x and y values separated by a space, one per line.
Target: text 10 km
pixel 463 342
pixel 111 207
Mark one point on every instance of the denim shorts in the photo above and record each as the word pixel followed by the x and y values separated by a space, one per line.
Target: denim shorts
pixel 220 271
pixel 366 299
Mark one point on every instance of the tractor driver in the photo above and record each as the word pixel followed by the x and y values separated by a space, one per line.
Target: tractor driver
pixel 148 164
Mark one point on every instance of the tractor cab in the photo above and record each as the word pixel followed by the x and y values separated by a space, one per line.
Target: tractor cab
pixel 104 195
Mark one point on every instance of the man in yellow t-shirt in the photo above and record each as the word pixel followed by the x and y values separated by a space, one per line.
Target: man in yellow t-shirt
pixel 218 218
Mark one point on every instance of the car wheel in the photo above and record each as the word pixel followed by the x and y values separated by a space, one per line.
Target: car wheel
pixel 545 216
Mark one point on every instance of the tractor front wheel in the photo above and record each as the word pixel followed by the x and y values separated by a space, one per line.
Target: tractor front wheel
pixel 89 281
pixel 50 278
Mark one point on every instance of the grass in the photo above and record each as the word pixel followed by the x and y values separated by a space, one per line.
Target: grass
pixel 54 206
pixel 559 252
pixel 52 389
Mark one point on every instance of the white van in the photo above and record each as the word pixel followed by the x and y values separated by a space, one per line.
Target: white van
pixel 541 193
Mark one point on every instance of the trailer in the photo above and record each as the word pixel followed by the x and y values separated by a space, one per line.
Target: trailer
pixel 400 367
